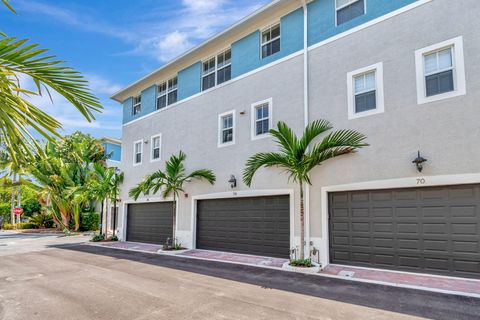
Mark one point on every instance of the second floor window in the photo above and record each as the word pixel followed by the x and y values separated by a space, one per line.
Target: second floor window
pixel 365 92
pixel 156 147
pixel 137 105
pixel 439 72
pixel 271 41
pixel 137 152
pixel 226 128
pixel 217 70
pixel 167 93
pixel 347 10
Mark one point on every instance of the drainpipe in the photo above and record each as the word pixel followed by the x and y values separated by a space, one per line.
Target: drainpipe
pixel 306 118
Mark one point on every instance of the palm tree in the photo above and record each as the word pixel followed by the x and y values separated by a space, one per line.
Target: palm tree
pixel 298 159
pixel 20 119
pixel 171 181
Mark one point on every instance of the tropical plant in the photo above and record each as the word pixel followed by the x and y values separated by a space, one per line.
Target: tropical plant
pixel 297 158
pixel 43 220
pixel 20 119
pixel 171 182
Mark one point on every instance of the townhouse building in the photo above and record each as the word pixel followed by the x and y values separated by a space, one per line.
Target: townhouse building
pixel 402 72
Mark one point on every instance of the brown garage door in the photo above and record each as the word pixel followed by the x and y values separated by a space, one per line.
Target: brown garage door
pixel 257 225
pixel 433 230
pixel 149 222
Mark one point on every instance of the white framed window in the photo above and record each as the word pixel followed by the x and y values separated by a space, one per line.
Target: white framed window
pixel 226 129
pixel 217 70
pixel 137 105
pixel 167 93
pixel 365 91
pixel 270 40
pixel 440 71
pixel 346 10
pixel 156 151
pixel 137 152
pixel 261 119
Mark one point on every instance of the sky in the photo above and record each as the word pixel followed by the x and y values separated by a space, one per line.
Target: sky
pixel 114 43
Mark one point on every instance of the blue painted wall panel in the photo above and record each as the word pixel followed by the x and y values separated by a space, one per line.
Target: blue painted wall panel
pixel 149 96
pixel 321 17
pixel 246 51
pixel 127 110
pixel 114 149
pixel 189 81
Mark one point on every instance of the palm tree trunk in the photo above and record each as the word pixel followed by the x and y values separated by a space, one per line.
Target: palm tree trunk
pixel 174 208
pixel 101 218
pixel 302 224
pixel 12 198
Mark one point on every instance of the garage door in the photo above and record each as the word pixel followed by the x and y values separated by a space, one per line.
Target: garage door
pixel 149 222
pixel 257 225
pixel 432 230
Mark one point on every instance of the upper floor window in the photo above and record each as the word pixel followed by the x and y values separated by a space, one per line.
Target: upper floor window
pixel 156 145
pixel 271 41
pixel 217 70
pixel 137 105
pixel 167 93
pixel 440 71
pixel 347 10
pixel 137 152
pixel 365 91
pixel 261 118
pixel 226 128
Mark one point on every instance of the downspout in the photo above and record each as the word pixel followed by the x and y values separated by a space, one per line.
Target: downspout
pixel 306 118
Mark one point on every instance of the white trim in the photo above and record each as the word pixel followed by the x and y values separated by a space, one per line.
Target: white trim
pixel 216 69
pixel 253 118
pixel 379 91
pixel 135 153
pixel 160 147
pixel 284 59
pixel 144 200
pixel 346 5
pixel 243 194
pixel 459 83
pixel 411 182
pixel 221 144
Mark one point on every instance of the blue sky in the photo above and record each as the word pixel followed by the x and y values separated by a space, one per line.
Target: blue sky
pixel 115 42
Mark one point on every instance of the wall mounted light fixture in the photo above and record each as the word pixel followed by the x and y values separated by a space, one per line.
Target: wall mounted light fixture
pixel 418 161
pixel 232 181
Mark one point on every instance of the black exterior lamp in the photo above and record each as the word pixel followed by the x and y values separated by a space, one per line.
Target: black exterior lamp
pixel 418 161
pixel 232 181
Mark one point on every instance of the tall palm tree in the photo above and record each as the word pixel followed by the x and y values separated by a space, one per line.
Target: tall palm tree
pixel 298 158
pixel 19 118
pixel 171 182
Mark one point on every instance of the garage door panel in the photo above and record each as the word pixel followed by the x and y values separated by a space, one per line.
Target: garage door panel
pixel 149 222
pixel 433 230
pixel 256 225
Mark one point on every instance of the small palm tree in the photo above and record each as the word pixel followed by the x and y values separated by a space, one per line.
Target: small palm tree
pixel 298 159
pixel 171 181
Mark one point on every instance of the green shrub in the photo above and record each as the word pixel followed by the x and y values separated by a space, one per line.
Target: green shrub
pixel 90 221
pixel 114 238
pixel 42 220
pixel 8 226
pixel 97 237
pixel 305 263
pixel 25 225
pixel 31 207
pixel 5 212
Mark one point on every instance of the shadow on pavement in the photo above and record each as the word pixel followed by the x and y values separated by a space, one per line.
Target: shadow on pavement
pixel 407 301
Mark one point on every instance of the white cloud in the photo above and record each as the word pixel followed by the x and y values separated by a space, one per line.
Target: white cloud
pixel 170 45
pixel 100 85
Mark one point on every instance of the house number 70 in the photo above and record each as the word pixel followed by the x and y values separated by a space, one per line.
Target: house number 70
pixel 421 181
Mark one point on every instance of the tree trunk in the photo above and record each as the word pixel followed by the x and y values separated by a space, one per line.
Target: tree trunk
pixel 101 218
pixel 19 197
pixel 174 208
pixel 302 224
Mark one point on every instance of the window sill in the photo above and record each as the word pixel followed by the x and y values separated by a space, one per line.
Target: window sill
pixel 364 114
pixel 443 96
pixel 227 144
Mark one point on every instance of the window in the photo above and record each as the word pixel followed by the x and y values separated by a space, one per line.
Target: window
pixel 365 91
pixel 271 41
pixel 217 70
pixel 440 71
pixel 261 119
pixel 137 152
pixel 167 93
pixel 137 105
pixel 226 128
pixel 156 147
pixel 347 10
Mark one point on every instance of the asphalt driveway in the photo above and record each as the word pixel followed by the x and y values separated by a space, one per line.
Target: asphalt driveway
pixel 67 280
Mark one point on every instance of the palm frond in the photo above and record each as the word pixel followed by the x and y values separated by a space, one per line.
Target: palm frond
pixel 263 159
pixel 285 138
pixel 202 174
pixel 313 130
